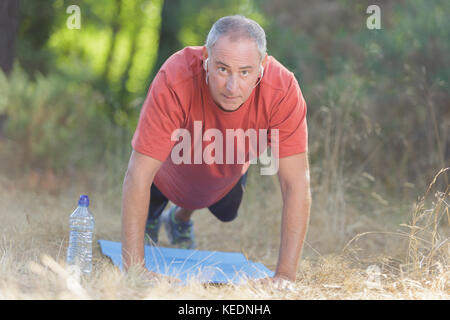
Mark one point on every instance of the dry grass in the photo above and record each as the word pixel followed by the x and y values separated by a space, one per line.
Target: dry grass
pixel 376 262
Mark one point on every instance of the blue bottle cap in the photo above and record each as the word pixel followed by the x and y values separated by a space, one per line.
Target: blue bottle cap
pixel 84 201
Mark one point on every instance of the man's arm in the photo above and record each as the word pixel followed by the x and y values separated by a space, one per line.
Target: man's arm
pixel 293 176
pixel 135 203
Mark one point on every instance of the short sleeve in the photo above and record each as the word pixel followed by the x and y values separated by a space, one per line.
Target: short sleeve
pixel 289 117
pixel 160 116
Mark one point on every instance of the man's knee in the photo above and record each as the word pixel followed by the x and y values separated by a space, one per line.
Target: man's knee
pixel 228 217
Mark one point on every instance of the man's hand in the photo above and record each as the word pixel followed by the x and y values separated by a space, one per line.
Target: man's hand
pixel 276 282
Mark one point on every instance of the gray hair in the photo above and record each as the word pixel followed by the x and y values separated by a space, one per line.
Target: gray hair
pixel 236 27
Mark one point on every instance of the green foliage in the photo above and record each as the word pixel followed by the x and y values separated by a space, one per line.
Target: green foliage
pixel 377 99
pixel 387 89
pixel 53 123
pixel 35 28
pixel 117 40
pixel 198 18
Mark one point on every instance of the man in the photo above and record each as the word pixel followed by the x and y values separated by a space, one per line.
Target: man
pixel 230 83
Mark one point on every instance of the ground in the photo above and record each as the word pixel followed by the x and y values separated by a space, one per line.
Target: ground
pixel 369 262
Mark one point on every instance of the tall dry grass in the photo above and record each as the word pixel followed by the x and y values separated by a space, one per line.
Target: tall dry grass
pixel 377 260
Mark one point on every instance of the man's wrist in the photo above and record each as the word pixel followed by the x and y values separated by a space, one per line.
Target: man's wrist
pixel 285 276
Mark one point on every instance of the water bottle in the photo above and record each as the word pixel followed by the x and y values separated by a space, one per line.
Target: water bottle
pixel 79 252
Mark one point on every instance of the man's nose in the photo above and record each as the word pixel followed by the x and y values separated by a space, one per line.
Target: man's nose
pixel 231 84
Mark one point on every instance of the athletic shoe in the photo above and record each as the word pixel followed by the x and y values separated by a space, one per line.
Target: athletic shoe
pixel 152 230
pixel 180 233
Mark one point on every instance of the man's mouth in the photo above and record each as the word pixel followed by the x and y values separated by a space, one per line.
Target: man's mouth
pixel 229 98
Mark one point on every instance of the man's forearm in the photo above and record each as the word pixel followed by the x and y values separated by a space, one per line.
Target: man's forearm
pixel 135 202
pixel 294 226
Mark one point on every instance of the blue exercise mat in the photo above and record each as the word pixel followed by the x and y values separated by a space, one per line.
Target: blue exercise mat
pixel 183 264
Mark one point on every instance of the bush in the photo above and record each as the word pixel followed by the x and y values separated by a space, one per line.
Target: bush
pixel 52 123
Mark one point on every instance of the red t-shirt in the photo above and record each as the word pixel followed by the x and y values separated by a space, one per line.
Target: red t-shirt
pixel 179 98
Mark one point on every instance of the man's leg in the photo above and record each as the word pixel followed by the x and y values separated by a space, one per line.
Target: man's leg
pixel 183 215
pixel 179 227
pixel 157 204
pixel 226 209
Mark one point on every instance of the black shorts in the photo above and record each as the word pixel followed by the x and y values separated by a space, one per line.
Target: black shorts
pixel 226 209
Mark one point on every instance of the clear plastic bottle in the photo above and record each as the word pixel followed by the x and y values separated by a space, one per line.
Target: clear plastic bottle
pixel 79 252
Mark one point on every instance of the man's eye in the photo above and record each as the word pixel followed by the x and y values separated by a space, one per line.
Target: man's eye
pixel 222 69
pixel 244 73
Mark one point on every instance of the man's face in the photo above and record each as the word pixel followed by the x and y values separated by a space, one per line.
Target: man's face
pixel 233 71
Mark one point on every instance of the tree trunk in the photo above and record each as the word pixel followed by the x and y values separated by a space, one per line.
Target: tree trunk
pixel 115 25
pixel 168 35
pixel 9 22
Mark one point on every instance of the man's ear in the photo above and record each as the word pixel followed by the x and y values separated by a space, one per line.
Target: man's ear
pixel 205 53
pixel 264 62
